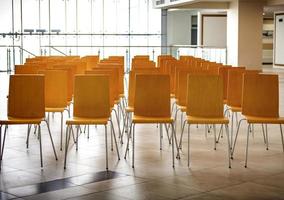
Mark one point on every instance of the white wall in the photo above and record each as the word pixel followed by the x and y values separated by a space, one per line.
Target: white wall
pixel 279 40
pixel 179 27
pixel 214 30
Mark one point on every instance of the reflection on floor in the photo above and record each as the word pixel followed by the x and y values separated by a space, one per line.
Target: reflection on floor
pixel 153 176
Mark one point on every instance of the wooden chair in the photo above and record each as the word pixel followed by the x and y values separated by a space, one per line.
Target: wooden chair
pixel 56 89
pixel 205 105
pixel 260 104
pixel 91 107
pixel 114 93
pixel 151 105
pixel 25 106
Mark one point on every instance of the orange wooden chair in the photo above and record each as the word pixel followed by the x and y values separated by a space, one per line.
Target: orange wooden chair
pixel 25 106
pixel 56 88
pixel 205 105
pixel 151 105
pixel 91 107
pixel 260 104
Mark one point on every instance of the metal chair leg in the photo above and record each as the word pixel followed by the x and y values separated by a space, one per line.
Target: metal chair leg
pixel 111 138
pixel 54 151
pixel 61 131
pixel 128 138
pixel 229 146
pixel 176 142
pixel 247 146
pixel 237 133
pixel 181 135
pixel 106 147
pixel 167 130
pixel 2 144
pixel 28 135
pixel 161 136
pixel 1 155
pixel 263 133
pixel 173 144
pixel 214 130
pixel 40 145
pixel 77 137
pixel 88 132
pixel 282 137
pixel 188 145
pixel 73 136
pixel 232 128
pixel 220 132
pixel 68 134
pixel 117 120
pixel 266 136
pixel 115 141
pixel 133 141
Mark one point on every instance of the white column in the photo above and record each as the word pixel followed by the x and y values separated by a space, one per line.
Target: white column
pixel 244 33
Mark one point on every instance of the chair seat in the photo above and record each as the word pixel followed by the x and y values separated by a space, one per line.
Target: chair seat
pixel 129 109
pixel 205 120
pixel 235 108
pixel 54 109
pixel 12 120
pixel 264 120
pixel 82 120
pixel 149 120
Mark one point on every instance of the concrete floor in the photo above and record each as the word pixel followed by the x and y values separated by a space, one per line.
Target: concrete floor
pixel 153 176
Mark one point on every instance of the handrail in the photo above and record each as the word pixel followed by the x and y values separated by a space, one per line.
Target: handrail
pixel 17 46
pixel 27 51
pixel 78 34
pixel 135 46
pixel 58 50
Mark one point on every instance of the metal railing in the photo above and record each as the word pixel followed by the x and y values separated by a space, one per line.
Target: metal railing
pixel 11 56
pixel 216 54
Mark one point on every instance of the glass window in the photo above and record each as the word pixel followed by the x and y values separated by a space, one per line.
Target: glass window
pixel 105 27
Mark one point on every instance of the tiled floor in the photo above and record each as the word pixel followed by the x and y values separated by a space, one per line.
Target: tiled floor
pixel 153 176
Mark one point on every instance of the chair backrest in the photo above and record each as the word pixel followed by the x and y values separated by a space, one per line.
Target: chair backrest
pixel 120 76
pixel 205 96
pixel 91 96
pixel 181 93
pixel 235 86
pixel 56 88
pixel 137 64
pixel 91 61
pixel 71 69
pixel 26 96
pixel 152 95
pixel 132 82
pixel 26 69
pixel 223 72
pixel 260 95
pixel 112 82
